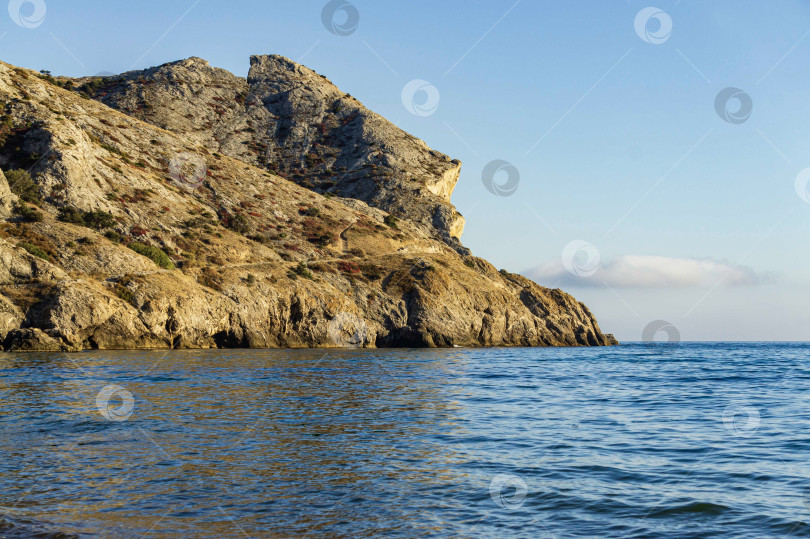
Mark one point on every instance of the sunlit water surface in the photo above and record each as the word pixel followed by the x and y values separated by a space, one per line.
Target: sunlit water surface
pixel 636 441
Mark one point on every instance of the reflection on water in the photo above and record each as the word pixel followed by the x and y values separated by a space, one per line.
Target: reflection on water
pixel 431 442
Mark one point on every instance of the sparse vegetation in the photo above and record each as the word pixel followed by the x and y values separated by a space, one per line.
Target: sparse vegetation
pixel 113 236
pixel 391 221
pixel 97 220
pixel 209 278
pixel 158 256
pixel 240 224
pixel 349 268
pixel 371 272
pixel 26 213
pixel 112 149
pixel 23 186
pixel 71 215
pixel 93 87
pixel 301 270
pixel 34 250
pixel 124 293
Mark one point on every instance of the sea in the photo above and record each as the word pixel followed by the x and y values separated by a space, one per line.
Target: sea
pixel 639 440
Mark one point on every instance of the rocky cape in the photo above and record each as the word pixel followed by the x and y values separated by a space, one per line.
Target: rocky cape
pixel 185 207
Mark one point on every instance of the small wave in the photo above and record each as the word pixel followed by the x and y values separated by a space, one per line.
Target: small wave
pixel 698 508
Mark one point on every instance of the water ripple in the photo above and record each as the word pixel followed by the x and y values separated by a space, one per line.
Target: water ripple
pixel 708 440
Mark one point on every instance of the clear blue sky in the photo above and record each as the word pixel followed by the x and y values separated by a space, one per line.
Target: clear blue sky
pixel 629 152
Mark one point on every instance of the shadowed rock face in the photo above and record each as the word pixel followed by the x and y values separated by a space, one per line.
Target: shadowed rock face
pixel 291 121
pixel 155 238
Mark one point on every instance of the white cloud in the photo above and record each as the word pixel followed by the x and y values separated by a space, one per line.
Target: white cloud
pixel 640 271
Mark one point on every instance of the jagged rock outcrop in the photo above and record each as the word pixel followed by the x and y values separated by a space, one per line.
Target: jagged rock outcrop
pixel 291 121
pixel 149 238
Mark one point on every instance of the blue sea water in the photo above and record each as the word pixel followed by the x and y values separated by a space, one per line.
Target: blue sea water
pixel 695 440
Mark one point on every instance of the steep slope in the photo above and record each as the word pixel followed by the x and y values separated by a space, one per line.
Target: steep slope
pixel 291 121
pixel 137 237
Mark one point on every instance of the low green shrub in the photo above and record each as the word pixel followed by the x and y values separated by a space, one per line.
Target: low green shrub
pixel 27 213
pixel 71 215
pixel 240 224
pixel 301 270
pixel 113 236
pixel 157 256
pixel 391 221
pixel 34 250
pixel 98 220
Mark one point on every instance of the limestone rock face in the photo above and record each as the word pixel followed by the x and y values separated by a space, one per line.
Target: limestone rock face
pixel 11 317
pixel 7 199
pixel 291 121
pixel 18 267
pixel 176 230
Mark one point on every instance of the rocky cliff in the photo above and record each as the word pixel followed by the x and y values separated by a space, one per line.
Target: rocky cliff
pixel 213 211
pixel 291 121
